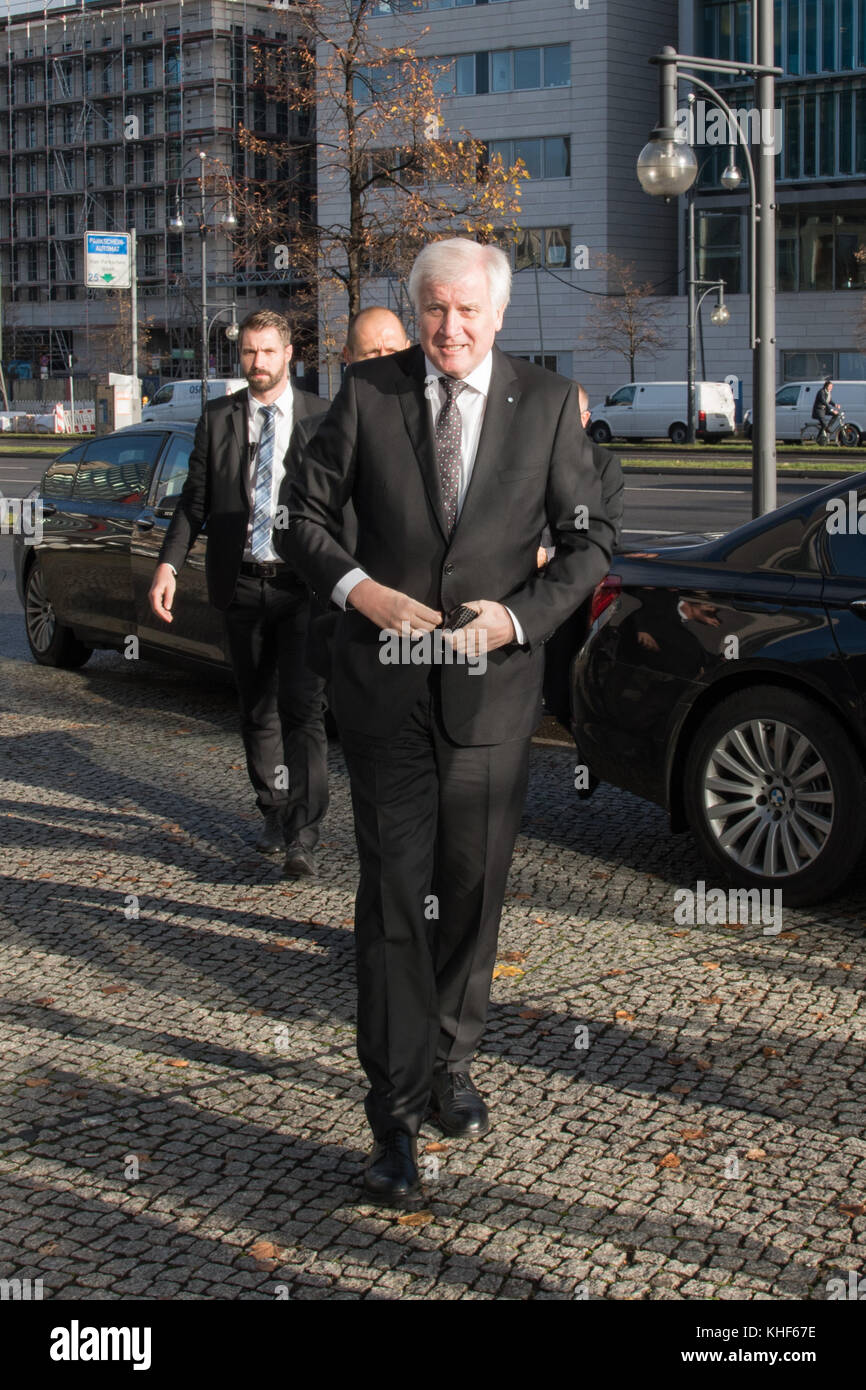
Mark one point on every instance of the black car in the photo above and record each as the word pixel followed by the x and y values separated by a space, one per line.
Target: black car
pixel 726 681
pixel 105 507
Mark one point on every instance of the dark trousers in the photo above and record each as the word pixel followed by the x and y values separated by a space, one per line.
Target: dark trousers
pixel 435 825
pixel 281 702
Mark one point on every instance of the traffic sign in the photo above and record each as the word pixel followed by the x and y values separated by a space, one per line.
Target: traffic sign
pixel 107 260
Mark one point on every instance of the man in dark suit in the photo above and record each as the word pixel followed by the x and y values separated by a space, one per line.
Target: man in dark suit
pixel 568 638
pixel 455 457
pixel 236 469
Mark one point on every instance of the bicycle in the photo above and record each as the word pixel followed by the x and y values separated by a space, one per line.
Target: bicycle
pixel 837 432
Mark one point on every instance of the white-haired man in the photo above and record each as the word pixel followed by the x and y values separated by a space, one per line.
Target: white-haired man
pixel 455 457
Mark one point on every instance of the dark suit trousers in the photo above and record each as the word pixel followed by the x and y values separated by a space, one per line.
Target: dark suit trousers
pixel 435 825
pixel 281 702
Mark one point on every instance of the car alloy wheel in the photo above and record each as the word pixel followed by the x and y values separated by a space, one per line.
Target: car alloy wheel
pixel 39 614
pixel 774 789
pixel 769 798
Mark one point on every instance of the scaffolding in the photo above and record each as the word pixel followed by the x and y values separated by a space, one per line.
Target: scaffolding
pixel 105 108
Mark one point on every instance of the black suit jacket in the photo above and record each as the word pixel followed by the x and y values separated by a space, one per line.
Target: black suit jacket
pixel 217 491
pixel 534 467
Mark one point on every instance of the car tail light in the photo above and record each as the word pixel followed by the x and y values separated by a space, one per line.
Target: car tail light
pixel 609 589
pixel 702 419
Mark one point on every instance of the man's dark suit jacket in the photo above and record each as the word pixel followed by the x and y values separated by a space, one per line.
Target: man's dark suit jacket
pixel 533 468
pixel 217 491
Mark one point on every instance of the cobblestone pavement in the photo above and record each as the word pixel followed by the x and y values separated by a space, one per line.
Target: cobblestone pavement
pixel 181 1099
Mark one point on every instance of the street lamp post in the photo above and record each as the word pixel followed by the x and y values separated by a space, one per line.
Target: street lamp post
pixel 232 331
pixel 667 167
pixel 228 221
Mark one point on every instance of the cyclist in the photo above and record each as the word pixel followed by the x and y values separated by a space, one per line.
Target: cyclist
pixel 824 410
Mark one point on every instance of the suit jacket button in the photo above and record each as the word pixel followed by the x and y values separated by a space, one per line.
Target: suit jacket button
pixel 449 569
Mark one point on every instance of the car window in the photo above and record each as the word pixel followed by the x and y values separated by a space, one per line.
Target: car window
pixel 57 480
pixel 789 395
pixel 163 395
pixel 844 542
pixel 624 396
pixel 118 468
pixel 172 474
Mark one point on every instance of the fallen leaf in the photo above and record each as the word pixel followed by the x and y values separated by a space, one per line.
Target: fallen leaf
pixel 624 1013
pixel 756 1153
pixel 264 1250
pixel 44 999
pixel 348 921
pixel 692 1133
pixel 415 1218
pixel 512 971
pixel 853 1208
pixel 435 1147
pixel 788 936
pixel 792 1083
pixel 512 955
pixel 37 1081
pixel 770 1051
pixel 702 1064
pixel 669 1161
pixel 115 989
pixel 843 965
pixel 710 964
pixel 677 933
pixel 540 922
pixel 613 972
pixel 177 1062
pixel 711 999
pixel 531 1013
pixel 733 926
pixel 48 1249
pixel 598 874
pixel 816 1016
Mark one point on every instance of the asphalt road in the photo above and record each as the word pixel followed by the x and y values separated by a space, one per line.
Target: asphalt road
pixel 656 504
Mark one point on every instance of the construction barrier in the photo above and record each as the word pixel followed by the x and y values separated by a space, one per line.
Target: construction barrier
pixel 60 421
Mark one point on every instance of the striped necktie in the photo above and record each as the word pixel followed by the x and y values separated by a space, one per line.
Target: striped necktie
pixel 263 521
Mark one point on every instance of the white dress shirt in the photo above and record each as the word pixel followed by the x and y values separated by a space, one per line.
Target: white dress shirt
pixel 283 421
pixel 471 404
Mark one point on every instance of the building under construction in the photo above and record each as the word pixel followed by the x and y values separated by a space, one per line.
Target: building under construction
pixel 105 111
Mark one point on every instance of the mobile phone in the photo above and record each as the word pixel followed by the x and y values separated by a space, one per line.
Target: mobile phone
pixel 458 617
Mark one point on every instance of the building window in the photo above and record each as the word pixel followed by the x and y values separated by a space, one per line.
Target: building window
pixel 172 113
pixel 149 212
pixel 148 169
pixel 547 157
pixel 720 248
pixel 107 77
pixel 505 70
pixel 69 219
pixel 549 246
pixel 148 117
pixel 147 70
pixel 819 249
pixel 172 67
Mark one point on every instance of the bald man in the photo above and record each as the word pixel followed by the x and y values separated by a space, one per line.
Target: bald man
pixel 374 332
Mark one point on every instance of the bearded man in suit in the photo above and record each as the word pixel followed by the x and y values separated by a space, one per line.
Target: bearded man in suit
pixel 236 468
pixel 455 457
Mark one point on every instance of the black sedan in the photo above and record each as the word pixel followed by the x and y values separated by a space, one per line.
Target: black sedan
pixel 105 505
pixel 726 681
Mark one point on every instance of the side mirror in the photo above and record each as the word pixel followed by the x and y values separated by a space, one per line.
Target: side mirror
pixel 608 400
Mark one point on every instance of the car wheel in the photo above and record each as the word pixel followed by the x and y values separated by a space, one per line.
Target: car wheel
pixel 849 436
pixel 774 792
pixel 600 433
pixel 678 434
pixel 51 643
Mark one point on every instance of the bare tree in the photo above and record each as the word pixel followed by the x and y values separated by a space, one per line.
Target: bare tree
pixel 390 177
pixel 627 320
pixel 112 351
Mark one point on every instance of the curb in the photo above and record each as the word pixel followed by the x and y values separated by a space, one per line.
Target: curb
pixel 829 473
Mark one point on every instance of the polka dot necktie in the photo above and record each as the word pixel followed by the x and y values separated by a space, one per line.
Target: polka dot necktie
pixel 260 539
pixel 449 454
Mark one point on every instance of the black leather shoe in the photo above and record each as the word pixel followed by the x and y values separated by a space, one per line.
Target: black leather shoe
pixel 273 835
pixel 391 1176
pixel 299 862
pixel 456 1107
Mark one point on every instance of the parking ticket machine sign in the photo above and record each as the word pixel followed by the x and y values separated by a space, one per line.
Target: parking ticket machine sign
pixel 107 260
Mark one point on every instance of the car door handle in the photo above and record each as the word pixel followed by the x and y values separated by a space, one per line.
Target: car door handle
pixel 48 509
pixel 144 523
pixel 858 605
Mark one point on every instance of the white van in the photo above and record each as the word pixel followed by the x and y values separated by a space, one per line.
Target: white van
pixel 181 400
pixel 794 402
pixel 659 409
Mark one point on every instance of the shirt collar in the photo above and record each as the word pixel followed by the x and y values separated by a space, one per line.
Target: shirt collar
pixel 479 379
pixel 283 402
